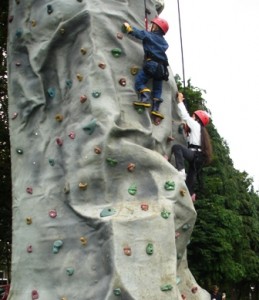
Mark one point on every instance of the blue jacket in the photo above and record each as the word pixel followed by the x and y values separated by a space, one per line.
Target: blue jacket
pixel 154 43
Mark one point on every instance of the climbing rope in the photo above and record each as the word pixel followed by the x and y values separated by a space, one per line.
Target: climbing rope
pixel 146 21
pixel 181 41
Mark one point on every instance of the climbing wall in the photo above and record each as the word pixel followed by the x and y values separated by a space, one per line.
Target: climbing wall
pixel 98 210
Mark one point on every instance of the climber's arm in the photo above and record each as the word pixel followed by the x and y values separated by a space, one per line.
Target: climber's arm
pixel 137 33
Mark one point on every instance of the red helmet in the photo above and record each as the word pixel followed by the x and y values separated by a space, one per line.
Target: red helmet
pixel 161 23
pixel 203 116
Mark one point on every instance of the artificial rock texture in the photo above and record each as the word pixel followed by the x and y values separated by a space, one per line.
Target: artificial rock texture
pixel 83 220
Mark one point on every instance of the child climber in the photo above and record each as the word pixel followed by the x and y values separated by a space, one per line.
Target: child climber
pixel 155 63
pixel 199 150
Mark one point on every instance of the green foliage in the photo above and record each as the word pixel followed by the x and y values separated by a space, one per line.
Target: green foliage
pixel 224 247
pixel 5 163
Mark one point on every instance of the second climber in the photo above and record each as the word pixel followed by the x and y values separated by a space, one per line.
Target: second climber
pixel 155 63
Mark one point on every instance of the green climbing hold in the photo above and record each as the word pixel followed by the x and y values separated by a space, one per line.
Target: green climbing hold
pixel 112 162
pixel 186 227
pixel 169 186
pixel 69 83
pixel 116 52
pixel 51 92
pixel 56 246
pixel 117 292
pixel 96 94
pixel 52 162
pixel 90 127
pixel 165 214
pixel 108 211
pixel 150 249
pixel 166 287
pixel 132 190
pixel 19 151
pixel 180 128
pixel 70 271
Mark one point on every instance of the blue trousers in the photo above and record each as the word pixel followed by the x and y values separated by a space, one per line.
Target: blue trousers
pixel 144 76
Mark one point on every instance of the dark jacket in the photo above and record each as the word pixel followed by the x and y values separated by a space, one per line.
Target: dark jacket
pixel 154 44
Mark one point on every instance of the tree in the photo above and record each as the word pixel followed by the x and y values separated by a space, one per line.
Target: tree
pixel 224 245
pixel 5 162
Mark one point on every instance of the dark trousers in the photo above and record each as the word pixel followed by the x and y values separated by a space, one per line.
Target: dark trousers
pixel 182 154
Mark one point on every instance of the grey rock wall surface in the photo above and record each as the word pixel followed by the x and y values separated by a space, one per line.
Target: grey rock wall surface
pixel 82 219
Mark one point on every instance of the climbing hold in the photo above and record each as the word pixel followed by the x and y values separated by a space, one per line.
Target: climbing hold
pixel 96 94
pixel 83 51
pixel 59 141
pixel 177 234
pixel 59 117
pixel 67 188
pixel 56 246
pixel 34 295
pixel 19 151
pixel 165 214
pixel 149 249
pixel 179 256
pixel 29 190
pixel 122 81
pixel 53 213
pixel 117 292
pixel 181 128
pixel 69 83
pixel 119 36
pixel 49 9
pixel 18 32
pixel 79 77
pixel 10 19
pixel 62 30
pixel 134 70
pixel 102 65
pixel 169 185
pixel 127 251
pixel 116 52
pixel 64 298
pixel 70 271
pixel 144 206
pixel 83 240
pixel 182 192
pixel 33 23
pixel 29 249
pixel 28 220
pixel 132 189
pixel 51 92
pixel 97 150
pixel 82 186
pixel 108 211
pixel 183 297
pixel 194 289
pixel 166 287
pixel 83 98
pixel 131 167
pixel 170 139
pixel 186 227
pixel 14 116
pixel 18 64
pixel 72 135
pixel 112 162
pixel 52 162
pixel 80 1
pixel 90 127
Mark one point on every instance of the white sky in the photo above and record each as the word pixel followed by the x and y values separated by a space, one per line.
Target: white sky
pixel 221 55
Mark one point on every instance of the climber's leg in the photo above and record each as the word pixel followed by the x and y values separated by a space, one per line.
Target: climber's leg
pixel 141 81
pixel 155 107
pixel 157 88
